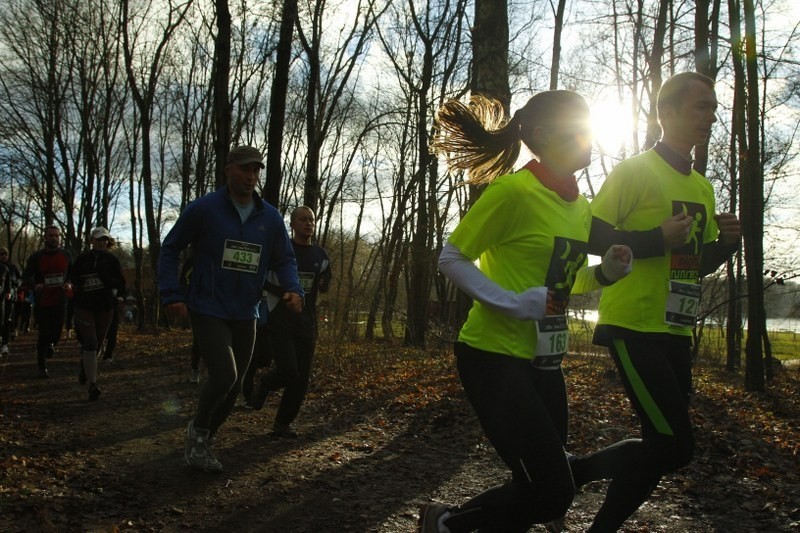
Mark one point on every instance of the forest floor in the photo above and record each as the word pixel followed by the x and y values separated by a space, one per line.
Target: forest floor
pixel 384 429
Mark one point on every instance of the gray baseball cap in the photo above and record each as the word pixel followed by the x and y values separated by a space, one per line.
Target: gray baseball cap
pixel 245 155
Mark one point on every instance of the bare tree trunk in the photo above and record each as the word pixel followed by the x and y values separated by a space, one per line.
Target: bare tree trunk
pixel 421 255
pixel 733 326
pixel 490 51
pixel 702 65
pixel 327 78
pixel 277 104
pixel 752 200
pixel 134 191
pixel 221 104
pixel 555 64
pixel 143 92
pixel 655 61
pixel 733 322
pixel 490 44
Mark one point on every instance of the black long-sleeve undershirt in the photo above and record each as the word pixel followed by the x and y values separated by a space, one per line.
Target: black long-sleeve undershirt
pixel 650 243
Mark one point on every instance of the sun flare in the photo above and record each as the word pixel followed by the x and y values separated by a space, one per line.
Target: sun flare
pixel 612 125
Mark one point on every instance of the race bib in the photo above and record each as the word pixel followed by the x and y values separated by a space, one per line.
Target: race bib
pixel 92 282
pixel 241 256
pixel 552 341
pixel 682 303
pixel 54 280
pixel 306 280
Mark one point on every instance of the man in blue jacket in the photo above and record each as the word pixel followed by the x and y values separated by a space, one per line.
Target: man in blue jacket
pixel 236 237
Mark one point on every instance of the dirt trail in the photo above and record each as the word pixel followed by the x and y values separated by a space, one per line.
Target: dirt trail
pixel 376 439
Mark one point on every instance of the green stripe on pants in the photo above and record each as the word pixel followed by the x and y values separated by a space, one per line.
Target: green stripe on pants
pixel 648 404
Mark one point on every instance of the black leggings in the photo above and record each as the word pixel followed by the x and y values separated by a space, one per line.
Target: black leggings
pixel 262 357
pixel 658 378
pixel 111 335
pixel 7 315
pixel 523 412
pixel 292 355
pixel 226 347
pixel 50 321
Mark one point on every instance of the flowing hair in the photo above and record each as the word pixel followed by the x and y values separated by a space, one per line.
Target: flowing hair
pixel 476 137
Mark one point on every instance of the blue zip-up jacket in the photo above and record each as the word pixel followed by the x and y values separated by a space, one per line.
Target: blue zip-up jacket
pixel 231 258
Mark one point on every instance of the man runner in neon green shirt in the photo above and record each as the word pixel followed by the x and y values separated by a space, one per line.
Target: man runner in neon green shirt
pixel 665 212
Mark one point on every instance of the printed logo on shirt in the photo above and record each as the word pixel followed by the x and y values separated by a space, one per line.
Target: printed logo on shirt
pixel 567 258
pixel 685 260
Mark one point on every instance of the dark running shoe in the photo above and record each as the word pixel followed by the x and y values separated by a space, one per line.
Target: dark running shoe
pixel 430 516
pixel 198 451
pixel 282 431
pixel 94 392
pixel 43 373
pixel 258 398
pixel 556 526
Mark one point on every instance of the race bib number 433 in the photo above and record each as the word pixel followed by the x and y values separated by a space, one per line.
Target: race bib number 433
pixel 241 256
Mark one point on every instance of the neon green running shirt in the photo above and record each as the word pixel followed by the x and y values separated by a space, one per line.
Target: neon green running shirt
pixel 640 194
pixel 524 235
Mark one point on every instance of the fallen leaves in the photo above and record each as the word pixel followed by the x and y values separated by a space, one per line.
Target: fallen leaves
pixel 375 420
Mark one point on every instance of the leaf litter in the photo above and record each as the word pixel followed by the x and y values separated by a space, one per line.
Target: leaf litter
pixel 383 430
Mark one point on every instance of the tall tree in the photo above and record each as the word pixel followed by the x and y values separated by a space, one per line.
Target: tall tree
pixel 655 61
pixel 144 67
pixel 490 78
pixel 221 76
pixel 490 51
pixel 558 28
pixel 752 197
pixel 277 104
pixel 434 28
pixel 328 81
pixel 733 329
pixel 706 38
pixel 35 82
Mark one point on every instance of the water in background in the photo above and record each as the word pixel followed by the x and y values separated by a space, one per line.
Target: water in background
pixel 773 324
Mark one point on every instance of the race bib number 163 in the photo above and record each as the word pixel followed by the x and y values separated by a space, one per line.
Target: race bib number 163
pixel 552 341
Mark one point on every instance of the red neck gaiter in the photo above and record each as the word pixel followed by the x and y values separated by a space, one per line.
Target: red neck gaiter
pixel 566 188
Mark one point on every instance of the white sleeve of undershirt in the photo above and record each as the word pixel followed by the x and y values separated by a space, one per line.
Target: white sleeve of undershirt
pixel 528 305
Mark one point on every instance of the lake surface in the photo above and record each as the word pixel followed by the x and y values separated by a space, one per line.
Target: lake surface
pixel 773 324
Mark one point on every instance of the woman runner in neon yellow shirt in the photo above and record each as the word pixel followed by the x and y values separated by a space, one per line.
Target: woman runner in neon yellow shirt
pixel 529 231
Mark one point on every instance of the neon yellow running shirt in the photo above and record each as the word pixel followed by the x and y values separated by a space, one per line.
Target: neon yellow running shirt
pixel 660 295
pixel 524 235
